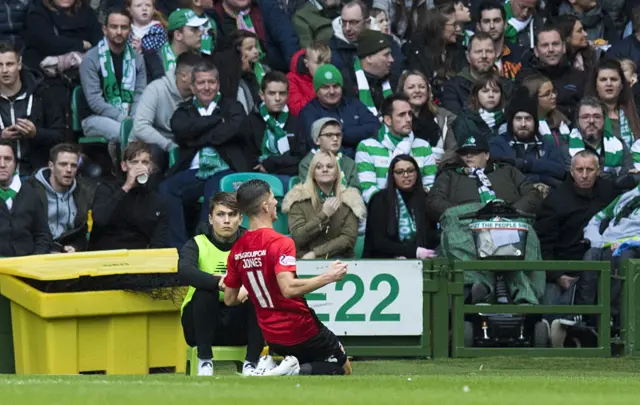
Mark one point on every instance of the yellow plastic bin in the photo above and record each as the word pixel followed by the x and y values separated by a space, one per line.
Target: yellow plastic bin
pixel 110 332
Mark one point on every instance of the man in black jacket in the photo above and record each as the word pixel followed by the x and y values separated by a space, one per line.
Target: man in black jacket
pixel 208 130
pixel 23 219
pixel 275 138
pixel 560 225
pixel 128 215
pixel 550 60
pixel 29 115
pixel 206 320
pixel 67 199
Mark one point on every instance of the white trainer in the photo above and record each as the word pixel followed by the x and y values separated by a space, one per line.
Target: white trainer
pixel 205 369
pixel 249 370
pixel 266 363
pixel 288 366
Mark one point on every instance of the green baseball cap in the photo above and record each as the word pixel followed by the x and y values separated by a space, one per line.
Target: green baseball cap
pixel 184 17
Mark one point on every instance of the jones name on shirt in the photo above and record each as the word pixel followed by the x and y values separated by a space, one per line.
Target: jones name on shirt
pixel 251 259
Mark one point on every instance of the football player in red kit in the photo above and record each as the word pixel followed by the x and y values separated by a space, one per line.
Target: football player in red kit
pixel 264 262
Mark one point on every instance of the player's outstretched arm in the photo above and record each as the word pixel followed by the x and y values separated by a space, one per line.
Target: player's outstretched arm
pixel 292 287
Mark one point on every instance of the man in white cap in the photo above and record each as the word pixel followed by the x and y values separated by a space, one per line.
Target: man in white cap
pixel 185 35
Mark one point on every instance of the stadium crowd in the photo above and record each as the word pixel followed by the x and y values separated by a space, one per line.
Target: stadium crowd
pixel 120 121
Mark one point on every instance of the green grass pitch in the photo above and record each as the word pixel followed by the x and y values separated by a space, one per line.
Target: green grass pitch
pixel 495 381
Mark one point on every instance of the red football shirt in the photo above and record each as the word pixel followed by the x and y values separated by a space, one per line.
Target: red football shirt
pixel 255 260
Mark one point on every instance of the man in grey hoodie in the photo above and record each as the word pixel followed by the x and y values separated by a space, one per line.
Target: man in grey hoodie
pixel 67 202
pixel 152 123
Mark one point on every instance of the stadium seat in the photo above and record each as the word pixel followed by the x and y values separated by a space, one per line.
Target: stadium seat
pixel 76 121
pixel 359 248
pixel 231 182
pixel 235 354
pixel 125 131
pixel 173 156
pixel 293 181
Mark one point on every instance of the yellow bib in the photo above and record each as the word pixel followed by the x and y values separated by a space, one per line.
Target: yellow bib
pixel 210 260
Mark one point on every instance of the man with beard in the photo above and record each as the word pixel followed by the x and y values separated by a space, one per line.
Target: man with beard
pixel 481 56
pixel 491 18
pixel 613 155
pixel 113 78
pixel 313 22
pixel 127 214
pixel 66 199
pixel 538 159
pixel 550 60
pixel 395 137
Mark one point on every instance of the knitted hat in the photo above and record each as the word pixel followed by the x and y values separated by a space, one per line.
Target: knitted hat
pixel 521 102
pixel 327 74
pixel 319 124
pixel 184 17
pixel 371 42
pixel 474 143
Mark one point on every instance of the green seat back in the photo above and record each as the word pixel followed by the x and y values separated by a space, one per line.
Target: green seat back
pixel 173 157
pixel 359 248
pixel 76 124
pixel 293 181
pixel 231 182
pixel 125 131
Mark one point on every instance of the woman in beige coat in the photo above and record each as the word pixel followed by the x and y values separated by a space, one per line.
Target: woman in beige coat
pixel 323 213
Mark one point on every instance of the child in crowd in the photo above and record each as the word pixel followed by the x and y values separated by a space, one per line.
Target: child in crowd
pixel 304 64
pixel 484 115
pixel 384 26
pixel 148 26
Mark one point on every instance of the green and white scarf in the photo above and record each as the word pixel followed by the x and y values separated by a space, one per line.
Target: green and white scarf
pixel 207 42
pixel 635 154
pixel 274 141
pixel 324 196
pixel 244 23
pixel 492 119
pixel 259 71
pixel 9 195
pixel 545 131
pixel 485 189
pixel 168 57
pixel 515 26
pixel 210 161
pixel 365 92
pixel 406 223
pixel 612 149
pixel 120 96
pixel 625 132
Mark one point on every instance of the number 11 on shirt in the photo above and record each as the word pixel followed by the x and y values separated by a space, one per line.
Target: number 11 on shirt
pixel 259 287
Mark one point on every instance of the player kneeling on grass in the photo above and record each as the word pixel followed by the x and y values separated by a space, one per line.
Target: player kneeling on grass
pixel 206 320
pixel 264 262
